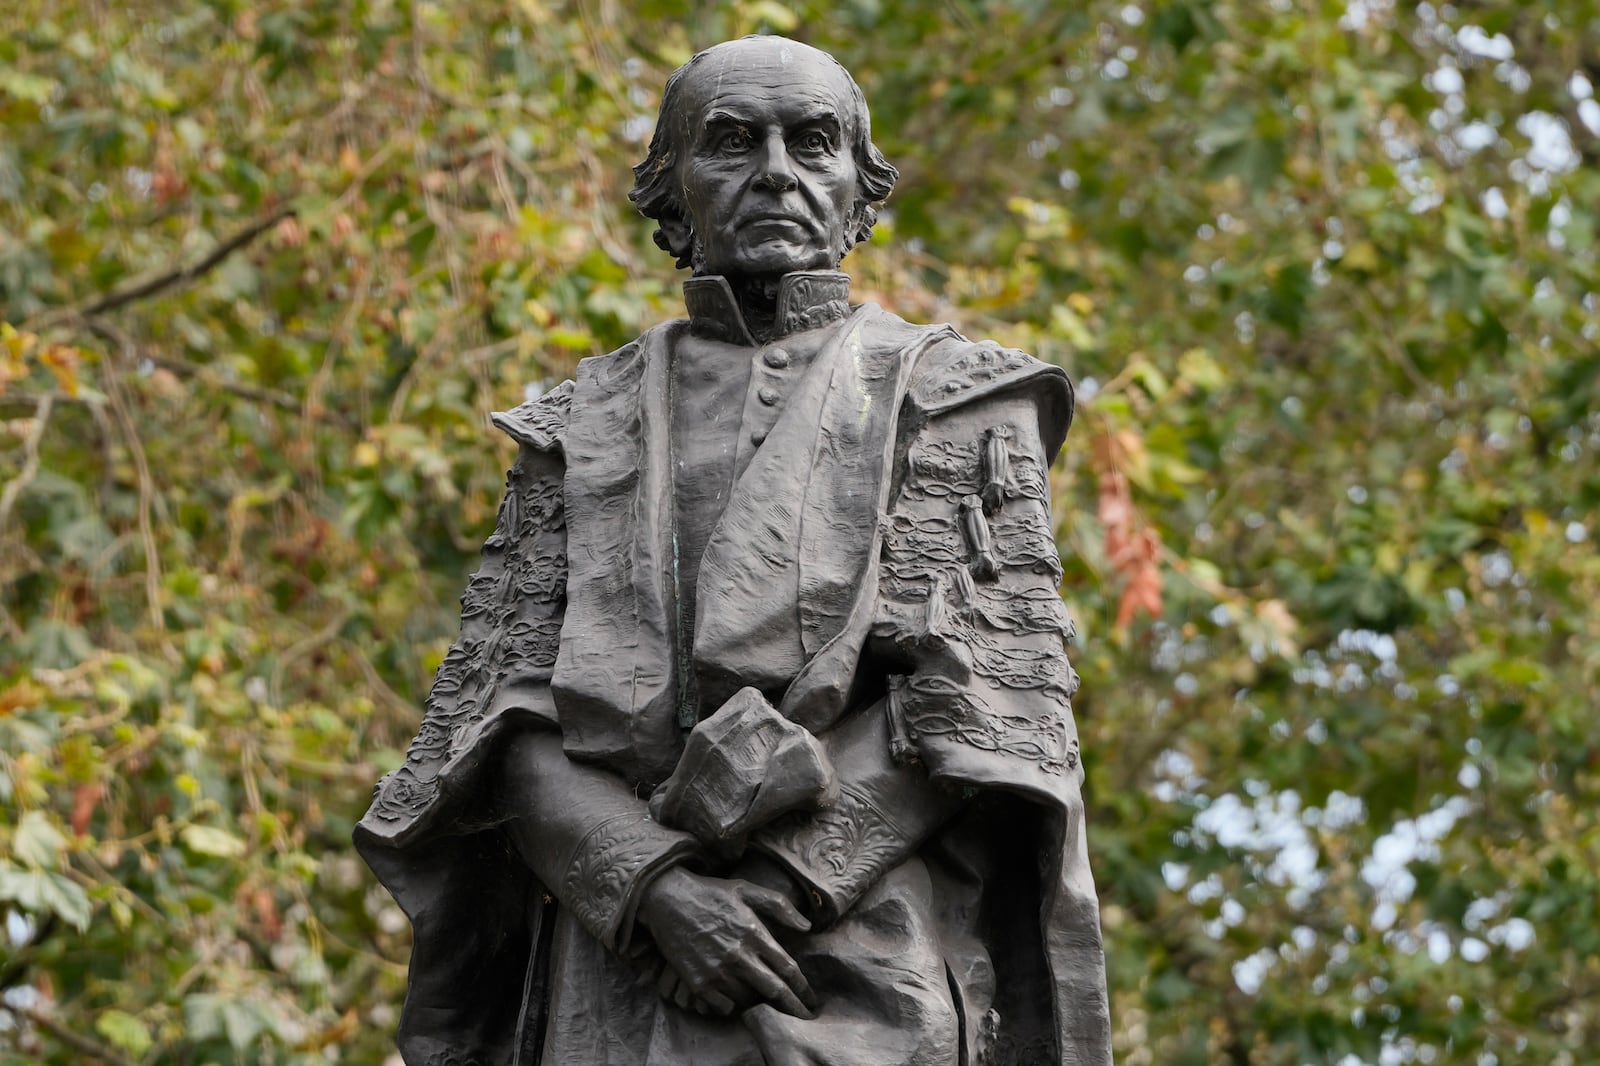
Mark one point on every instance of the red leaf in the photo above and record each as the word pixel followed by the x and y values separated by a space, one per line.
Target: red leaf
pixel 85 799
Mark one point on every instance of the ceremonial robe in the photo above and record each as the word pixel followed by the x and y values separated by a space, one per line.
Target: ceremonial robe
pixel 885 574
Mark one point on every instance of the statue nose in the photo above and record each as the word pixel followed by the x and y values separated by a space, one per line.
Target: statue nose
pixel 777 169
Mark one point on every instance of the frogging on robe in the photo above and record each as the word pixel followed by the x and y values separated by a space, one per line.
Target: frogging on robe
pixel 894 528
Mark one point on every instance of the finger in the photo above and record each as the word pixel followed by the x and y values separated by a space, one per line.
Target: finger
pixel 781 964
pixel 774 991
pixel 714 1004
pixel 771 905
pixel 667 982
pixel 683 995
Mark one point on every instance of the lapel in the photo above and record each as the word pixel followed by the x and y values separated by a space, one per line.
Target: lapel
pixel 793 558
pixel 614 680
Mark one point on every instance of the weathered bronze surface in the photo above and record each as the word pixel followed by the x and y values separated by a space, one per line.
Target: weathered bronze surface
pixel 757 743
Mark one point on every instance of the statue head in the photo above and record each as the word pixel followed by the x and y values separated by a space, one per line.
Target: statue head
pixel 762 161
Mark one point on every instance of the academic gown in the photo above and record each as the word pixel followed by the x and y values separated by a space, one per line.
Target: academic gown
pixel 884 572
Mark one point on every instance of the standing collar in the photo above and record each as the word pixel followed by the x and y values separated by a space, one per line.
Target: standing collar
pixel 807 299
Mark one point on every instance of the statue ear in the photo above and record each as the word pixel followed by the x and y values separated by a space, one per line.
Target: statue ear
pixel 859 226
pixel 675 236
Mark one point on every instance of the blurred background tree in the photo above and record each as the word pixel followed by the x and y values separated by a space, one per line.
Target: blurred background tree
pixel 1325 273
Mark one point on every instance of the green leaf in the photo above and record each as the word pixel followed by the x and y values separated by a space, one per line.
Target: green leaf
pixel 37 842
pixel 209 840
pixel 240 1021
pixel 124 1031
pixel 43 892
pixel 27 87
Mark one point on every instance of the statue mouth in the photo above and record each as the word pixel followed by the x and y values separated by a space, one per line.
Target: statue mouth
pixel 778 220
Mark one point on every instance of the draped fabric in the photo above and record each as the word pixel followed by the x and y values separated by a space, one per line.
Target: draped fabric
pixel 897 519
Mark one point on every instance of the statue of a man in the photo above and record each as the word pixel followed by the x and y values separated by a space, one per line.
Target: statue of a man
pixel 757 745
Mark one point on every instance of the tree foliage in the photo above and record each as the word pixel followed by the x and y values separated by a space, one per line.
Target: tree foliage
pixel 1325 272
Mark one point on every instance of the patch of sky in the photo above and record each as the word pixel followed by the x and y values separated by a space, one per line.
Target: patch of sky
pixel 1549 142
pixel 1176 777
pixel 1589 115
pixel 1270 824
pixel 1250 972
pixel 1379 646
pixel 1476 136
pixel 1407 841
pixel 1446 80
pixel 1475 41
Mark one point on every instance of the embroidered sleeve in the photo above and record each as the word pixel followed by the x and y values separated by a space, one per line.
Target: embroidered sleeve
pixel 610 866
pixel 969 601
pixel 511 617
pixel 885 809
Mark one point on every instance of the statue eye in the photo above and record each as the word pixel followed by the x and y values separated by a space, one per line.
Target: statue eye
pixel 813 141
pixel 735 141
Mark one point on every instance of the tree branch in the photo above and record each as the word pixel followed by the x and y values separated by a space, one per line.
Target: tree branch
pixel 81 1044
pixel 113 300
pixel 146 484
pixel 30 460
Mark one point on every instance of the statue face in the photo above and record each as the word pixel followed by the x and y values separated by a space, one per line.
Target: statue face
pixel 769 177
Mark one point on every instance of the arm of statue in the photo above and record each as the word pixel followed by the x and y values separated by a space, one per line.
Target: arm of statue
pixel 585 834
pixel 970 609
pixel 884 811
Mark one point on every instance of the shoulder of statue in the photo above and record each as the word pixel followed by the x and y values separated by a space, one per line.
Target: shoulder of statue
pixel 540 423
pixel 955 372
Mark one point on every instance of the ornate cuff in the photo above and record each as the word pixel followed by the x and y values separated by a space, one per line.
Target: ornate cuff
pixel 610 868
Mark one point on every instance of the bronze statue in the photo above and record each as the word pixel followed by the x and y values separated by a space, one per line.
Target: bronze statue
pixel 757 744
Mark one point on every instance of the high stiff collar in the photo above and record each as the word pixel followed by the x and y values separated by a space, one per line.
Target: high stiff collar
pixel 807 299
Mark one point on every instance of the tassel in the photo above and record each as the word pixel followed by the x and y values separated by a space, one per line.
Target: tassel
pixel 933 620
pixel 976 526
pixel 996 467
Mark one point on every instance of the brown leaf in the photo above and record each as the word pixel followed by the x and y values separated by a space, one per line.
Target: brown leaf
pixel 22 694
pixel 85 799
pixel 266 908
pixel 1143 591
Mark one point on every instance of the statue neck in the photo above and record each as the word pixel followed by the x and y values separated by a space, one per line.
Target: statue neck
pixel 756 310
pixel 757 298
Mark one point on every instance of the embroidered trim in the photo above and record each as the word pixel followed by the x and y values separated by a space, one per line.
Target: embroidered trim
pixel 1023 540
pixel 540 423
pixel 915 542
pixel 606 865
pixel 810 300
pixel 1030 609
pixel 942 468
pixel 990 467
pixel 933 706
pixel 843 849
pixel 511 615
pixel 978 364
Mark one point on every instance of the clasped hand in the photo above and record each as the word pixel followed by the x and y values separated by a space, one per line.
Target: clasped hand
pixel 720 952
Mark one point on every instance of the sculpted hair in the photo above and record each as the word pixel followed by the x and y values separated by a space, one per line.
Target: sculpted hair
pixel 658 195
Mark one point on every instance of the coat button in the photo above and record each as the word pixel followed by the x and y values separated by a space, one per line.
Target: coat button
pixel 776 358
pixel 757 436
pixel 768 396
